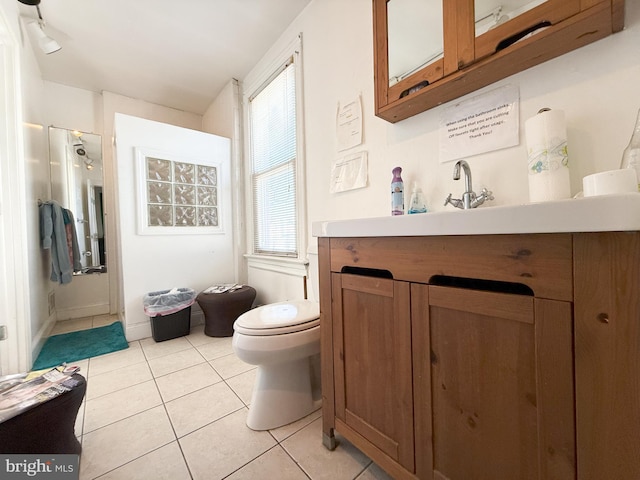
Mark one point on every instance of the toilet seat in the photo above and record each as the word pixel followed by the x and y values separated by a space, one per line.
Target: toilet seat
pixel 279 318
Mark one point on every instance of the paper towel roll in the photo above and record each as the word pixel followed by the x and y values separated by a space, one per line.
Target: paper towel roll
pixel 548 160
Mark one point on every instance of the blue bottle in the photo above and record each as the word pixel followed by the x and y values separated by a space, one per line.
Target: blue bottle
pixel 397 193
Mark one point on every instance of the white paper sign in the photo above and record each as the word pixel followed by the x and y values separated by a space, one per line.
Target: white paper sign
pixel 481 124
pixel 349 173
pixel 349 124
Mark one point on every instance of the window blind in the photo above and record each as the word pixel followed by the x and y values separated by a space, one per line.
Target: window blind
pixel 273 161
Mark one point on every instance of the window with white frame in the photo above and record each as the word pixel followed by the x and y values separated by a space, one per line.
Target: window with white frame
pixel 275 162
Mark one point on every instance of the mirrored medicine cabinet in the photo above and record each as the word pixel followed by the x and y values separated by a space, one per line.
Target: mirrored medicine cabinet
pixel 428 52
pixel 77 184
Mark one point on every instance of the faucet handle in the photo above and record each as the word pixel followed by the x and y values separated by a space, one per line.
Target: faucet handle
pixel 456 202
pixel 478 200
pixel 448 200
pixel 487 194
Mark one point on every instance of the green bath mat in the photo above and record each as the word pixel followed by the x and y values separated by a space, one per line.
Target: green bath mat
pixel 74 346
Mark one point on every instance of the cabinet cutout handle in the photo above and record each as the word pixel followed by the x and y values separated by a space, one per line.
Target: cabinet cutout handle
pixel 367 272
pixel 481 284
pixel 415 88
pixel 520 35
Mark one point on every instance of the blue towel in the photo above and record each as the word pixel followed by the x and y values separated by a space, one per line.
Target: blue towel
pixel 54 237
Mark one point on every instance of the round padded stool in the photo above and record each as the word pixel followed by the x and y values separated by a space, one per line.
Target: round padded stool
pixel 47 428
pixel 222 309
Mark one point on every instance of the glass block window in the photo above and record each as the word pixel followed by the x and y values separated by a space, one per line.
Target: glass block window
pixel 181 194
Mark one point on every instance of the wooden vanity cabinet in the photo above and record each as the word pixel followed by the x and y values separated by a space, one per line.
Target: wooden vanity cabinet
pixel 469 62
pixel 434 372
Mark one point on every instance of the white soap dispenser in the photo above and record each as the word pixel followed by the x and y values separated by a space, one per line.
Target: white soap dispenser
pixel 417 204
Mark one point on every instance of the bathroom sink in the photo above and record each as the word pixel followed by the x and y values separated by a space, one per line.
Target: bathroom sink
pixel 620 212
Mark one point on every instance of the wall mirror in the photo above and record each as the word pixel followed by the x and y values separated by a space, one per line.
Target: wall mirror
pixel 491 13
pixel 76 184
pixel 415 36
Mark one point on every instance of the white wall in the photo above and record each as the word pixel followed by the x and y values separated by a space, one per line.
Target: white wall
pixel 37 188
pixel 597 86
pixel 85 296
pixel 219 118
pixel 112 104
pixel 224 117
pixel 35 263
pixel 158 262
pixel 277 280
pixel 73 108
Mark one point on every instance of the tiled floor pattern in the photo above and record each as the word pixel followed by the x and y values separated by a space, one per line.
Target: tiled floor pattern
pixel 176 410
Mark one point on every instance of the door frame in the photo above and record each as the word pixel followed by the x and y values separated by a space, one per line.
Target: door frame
pixel 15 350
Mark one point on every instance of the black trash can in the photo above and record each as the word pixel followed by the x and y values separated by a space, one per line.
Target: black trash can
pixel 170 312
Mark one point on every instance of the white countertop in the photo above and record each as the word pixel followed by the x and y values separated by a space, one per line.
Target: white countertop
pixel 607 213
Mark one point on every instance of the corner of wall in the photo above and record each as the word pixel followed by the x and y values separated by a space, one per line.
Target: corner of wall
pixel 41 337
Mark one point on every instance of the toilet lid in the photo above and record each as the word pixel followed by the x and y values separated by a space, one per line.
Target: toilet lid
pixel 279 318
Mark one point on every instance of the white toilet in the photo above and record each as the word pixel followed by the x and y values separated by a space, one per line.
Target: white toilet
pixel 283 340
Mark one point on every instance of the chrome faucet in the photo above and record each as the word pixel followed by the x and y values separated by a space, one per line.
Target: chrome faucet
pixel 469 197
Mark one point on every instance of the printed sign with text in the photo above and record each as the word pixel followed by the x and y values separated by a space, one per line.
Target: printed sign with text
pixel 481 124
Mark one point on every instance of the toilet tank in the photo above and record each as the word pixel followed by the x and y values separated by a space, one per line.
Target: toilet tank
pixel 313 281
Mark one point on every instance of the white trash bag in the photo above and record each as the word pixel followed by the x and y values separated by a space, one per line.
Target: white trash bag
pixel 166 302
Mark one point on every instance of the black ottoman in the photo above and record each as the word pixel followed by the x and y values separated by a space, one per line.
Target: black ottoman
pixel 46 428
pixel 222 309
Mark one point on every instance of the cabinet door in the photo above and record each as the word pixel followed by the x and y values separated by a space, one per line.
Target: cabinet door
pixel 497 399
pixel 509 26
pixel 372 363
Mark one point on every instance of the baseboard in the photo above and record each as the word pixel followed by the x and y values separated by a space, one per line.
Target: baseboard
pixel 83 311
pixel 197 318
pixel 138 331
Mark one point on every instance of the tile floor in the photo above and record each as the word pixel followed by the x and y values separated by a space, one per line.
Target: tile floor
pixel 176 410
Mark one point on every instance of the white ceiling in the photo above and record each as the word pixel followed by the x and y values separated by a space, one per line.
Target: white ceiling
pixel 177 53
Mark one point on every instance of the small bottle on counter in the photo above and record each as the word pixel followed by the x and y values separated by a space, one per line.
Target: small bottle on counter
pixel 397 192
pixel 417 204
pixel 631 154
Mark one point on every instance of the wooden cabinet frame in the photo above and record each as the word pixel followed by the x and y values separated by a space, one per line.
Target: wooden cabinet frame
pixel 471 63
pixel 607 355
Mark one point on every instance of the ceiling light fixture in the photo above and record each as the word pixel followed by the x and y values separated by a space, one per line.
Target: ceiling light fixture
pixel 46 43
pixel 79 148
